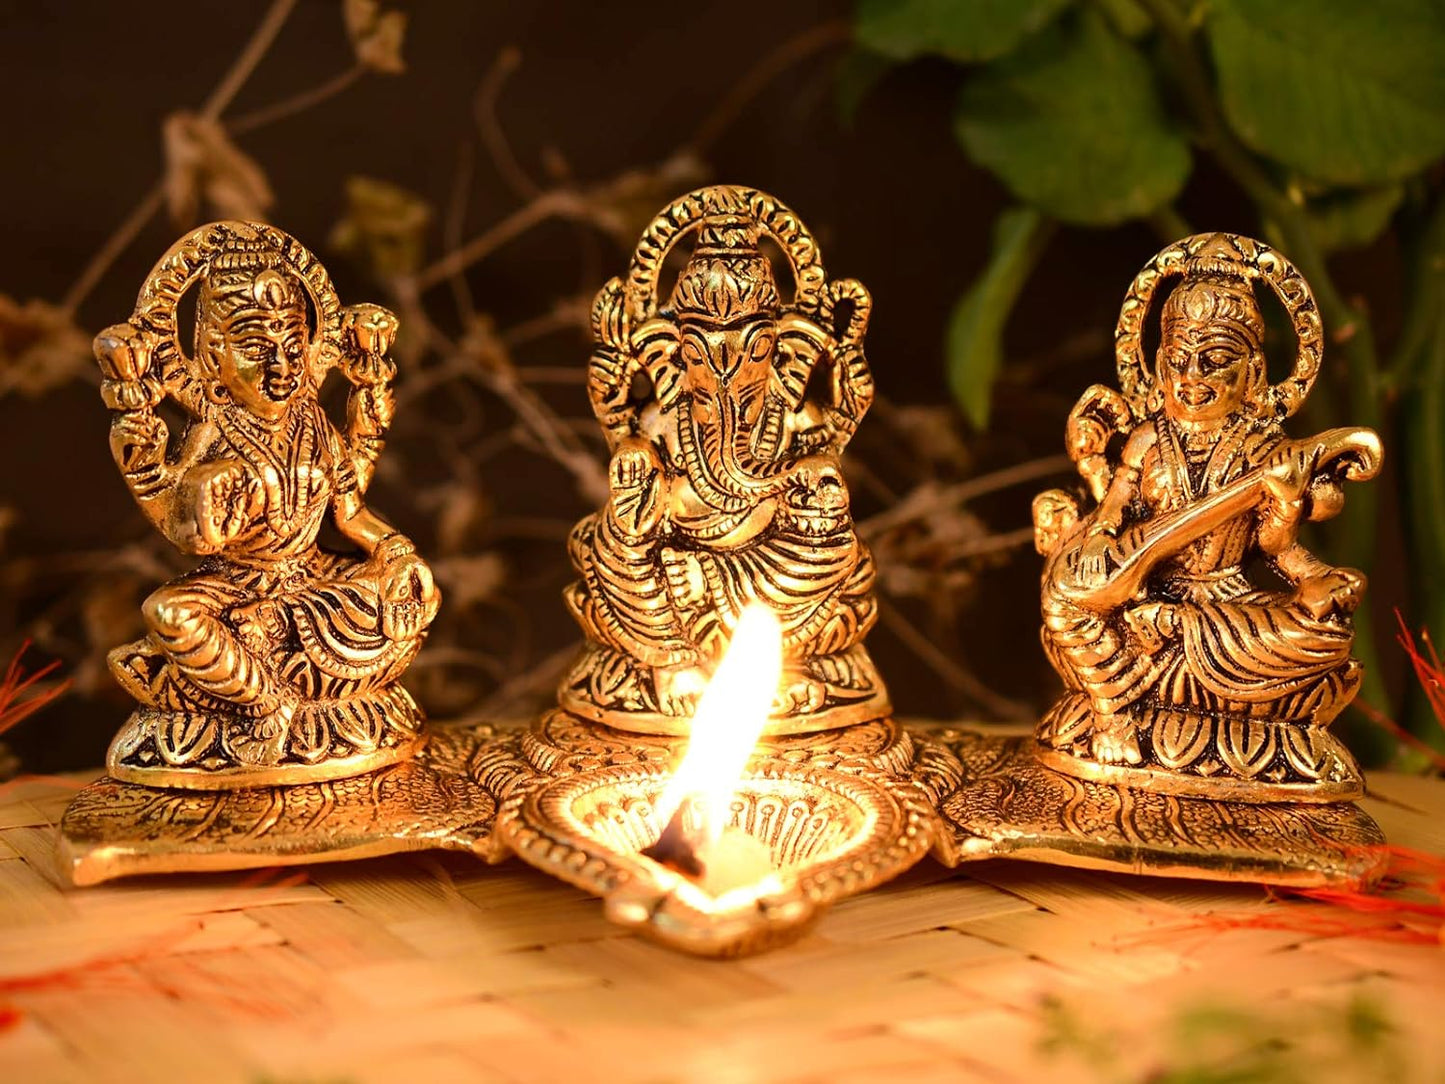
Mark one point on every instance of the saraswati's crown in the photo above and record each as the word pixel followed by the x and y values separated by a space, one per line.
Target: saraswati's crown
pixel 727 277
pixel 1216 289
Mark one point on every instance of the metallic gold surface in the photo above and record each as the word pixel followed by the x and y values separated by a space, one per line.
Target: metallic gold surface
pixel 115 829
pixel 726 407
pixel 1187 674
pixel 1192 741
pixel 1005 803
pixel 834 816
pixel 274 662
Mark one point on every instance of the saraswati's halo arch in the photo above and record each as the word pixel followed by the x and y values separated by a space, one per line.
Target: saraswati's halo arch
pixel 683 215
pixel 188 260
pixel 1251 260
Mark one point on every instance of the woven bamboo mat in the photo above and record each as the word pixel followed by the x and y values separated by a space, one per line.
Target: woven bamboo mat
pixel 437 968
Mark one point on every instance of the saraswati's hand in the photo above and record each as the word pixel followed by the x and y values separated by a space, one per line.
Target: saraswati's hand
pixel 1098 554
pixel 1288 471
pixel 1335 591
pixel 223 501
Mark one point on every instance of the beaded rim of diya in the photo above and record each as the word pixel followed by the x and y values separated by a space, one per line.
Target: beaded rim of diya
pixel 726 408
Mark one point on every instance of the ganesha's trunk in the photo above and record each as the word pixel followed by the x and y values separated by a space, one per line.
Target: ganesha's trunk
pixel 721 465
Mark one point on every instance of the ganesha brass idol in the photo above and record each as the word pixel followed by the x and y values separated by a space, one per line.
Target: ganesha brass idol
pixel 274 661
pixel 726 402
pixel 726 487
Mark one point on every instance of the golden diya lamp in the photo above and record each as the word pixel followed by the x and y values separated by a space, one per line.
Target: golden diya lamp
pixel 723 761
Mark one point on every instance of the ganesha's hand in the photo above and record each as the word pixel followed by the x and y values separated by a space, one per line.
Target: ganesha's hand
pixel 223 502
pixel 409 595
pixel 686 583
pixel 1335 591
pixel 634 477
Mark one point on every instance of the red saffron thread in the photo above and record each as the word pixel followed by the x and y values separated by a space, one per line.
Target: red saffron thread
pixel 13 709
pixel 1406 906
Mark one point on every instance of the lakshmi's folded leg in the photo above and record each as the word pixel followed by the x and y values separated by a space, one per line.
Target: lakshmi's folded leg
pixel 185 621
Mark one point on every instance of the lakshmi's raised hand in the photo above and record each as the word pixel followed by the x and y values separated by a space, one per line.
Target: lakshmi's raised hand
pixel 368 332
pixel 124 352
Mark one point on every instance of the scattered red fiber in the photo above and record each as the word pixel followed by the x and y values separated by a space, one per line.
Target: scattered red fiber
pixel 1428 669
pixel 14 709
pixel 10 1017
pixel 1406 906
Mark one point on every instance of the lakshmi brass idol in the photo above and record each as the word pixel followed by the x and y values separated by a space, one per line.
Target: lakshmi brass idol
pixel 1186 674
pixel 726 408
pixel 274 661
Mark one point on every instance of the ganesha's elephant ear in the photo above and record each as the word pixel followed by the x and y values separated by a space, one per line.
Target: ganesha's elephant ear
pixel 609 316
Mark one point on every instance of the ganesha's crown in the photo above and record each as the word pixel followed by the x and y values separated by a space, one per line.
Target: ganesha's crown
pixel 727 276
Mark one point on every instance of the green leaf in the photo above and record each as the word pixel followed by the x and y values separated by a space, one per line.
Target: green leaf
pixel 858 73
pixel 1073 124
pixel 975 329
pixel 962 30
pixel 1346 220
pixel 1127 17
pixel 1348 92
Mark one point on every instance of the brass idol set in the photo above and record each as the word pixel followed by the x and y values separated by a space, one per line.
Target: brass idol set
pixel 723 760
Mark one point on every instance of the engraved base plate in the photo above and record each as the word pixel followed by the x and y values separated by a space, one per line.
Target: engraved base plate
pixel 117 829
pixel 1010 805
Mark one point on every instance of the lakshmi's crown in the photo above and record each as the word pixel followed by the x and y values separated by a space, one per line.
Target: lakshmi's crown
pixel 245 273
pixel 726 277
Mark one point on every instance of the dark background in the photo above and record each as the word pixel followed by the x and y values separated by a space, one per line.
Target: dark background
pixel 603 88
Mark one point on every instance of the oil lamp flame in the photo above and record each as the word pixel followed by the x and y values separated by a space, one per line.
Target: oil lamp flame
pixel 730 717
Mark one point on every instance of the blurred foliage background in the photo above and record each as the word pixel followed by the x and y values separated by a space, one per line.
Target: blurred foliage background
pixel 994 170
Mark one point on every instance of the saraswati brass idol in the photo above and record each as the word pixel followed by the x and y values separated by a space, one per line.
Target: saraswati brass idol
pixel 1193 734
pixel 723 761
